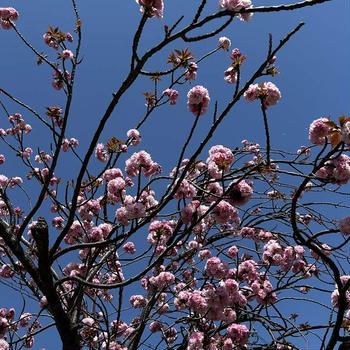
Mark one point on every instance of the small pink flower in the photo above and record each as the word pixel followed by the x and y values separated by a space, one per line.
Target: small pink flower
pixel 240 194
pixel 239 333
pixel 237 5
pixel 135 136
pixel 252 93
pixel 155 326
pixel 163 280
pixel 318 131
pixel 138 301
pixel 69 37
pixel 195 341
pixel 129 248
pixel 4 181
pixel 7 14
pixel 67 54
pixel 232 251
pixel 191 73
pixel 234 5
pixel 267 92
pixel 224 43
pixel 273 60
pixel 236 52
pixel 100 152
pixel 15 181
pixel 198 100
pixel 219 161
pixel 172 94
pixel 141 161
pixel 185 190
pixel 111 174
pixel 57 84
pixel 152 7
pixel 4 345
pixel 231 75
pixel 225 213
pixel 43 302
pixel 5 24
pixel 326 250
pixel 216 268
pixel 272 94
pixel 24 319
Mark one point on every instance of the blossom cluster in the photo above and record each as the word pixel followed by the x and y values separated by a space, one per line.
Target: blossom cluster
pixel 335 294
pixel 152 8
pixel 318 130
pixel 7 15
pixel 267 92
pixel 198 100
pixel 336 170
pixel 237 5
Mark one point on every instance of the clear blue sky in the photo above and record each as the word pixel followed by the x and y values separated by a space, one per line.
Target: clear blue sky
pixel 314 78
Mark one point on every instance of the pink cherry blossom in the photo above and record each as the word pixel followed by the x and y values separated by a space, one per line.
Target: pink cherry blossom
pixel 191 73
pixel 43 302
pixel 216 268
pixel 111 174
pixel 159 232
pixel 335 299
pixel 336 170
pixel 225 213
pixel 240 193
pixel 219 161
pixel 138 301
pixel 163 280
pixel 135 136
pixel 6 14
pixel 67 54
pixel 170 335
pixel 232 251
pixel 237 5
pixel 152 7
pixel 172 94
pixel 195 341
pixel 101 153
pixel 15 181
pixel 116 189
pixel 231 75
pixel 234 5
pixel 236 52
pixel 224 43
pixel 215 190
pixel 24 319
pixel 239 333
pixel 267 92
pixel 198 100
pixel 141 161
pixel 4 181
pixel 129 248
pixel 318 130
pixel 4 345
pixel 252 92
pixel 326 250
pixel 271 94
pixel 185 190
pixel 155 326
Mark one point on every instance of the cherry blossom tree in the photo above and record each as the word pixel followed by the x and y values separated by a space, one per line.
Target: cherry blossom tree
pixel 214 253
